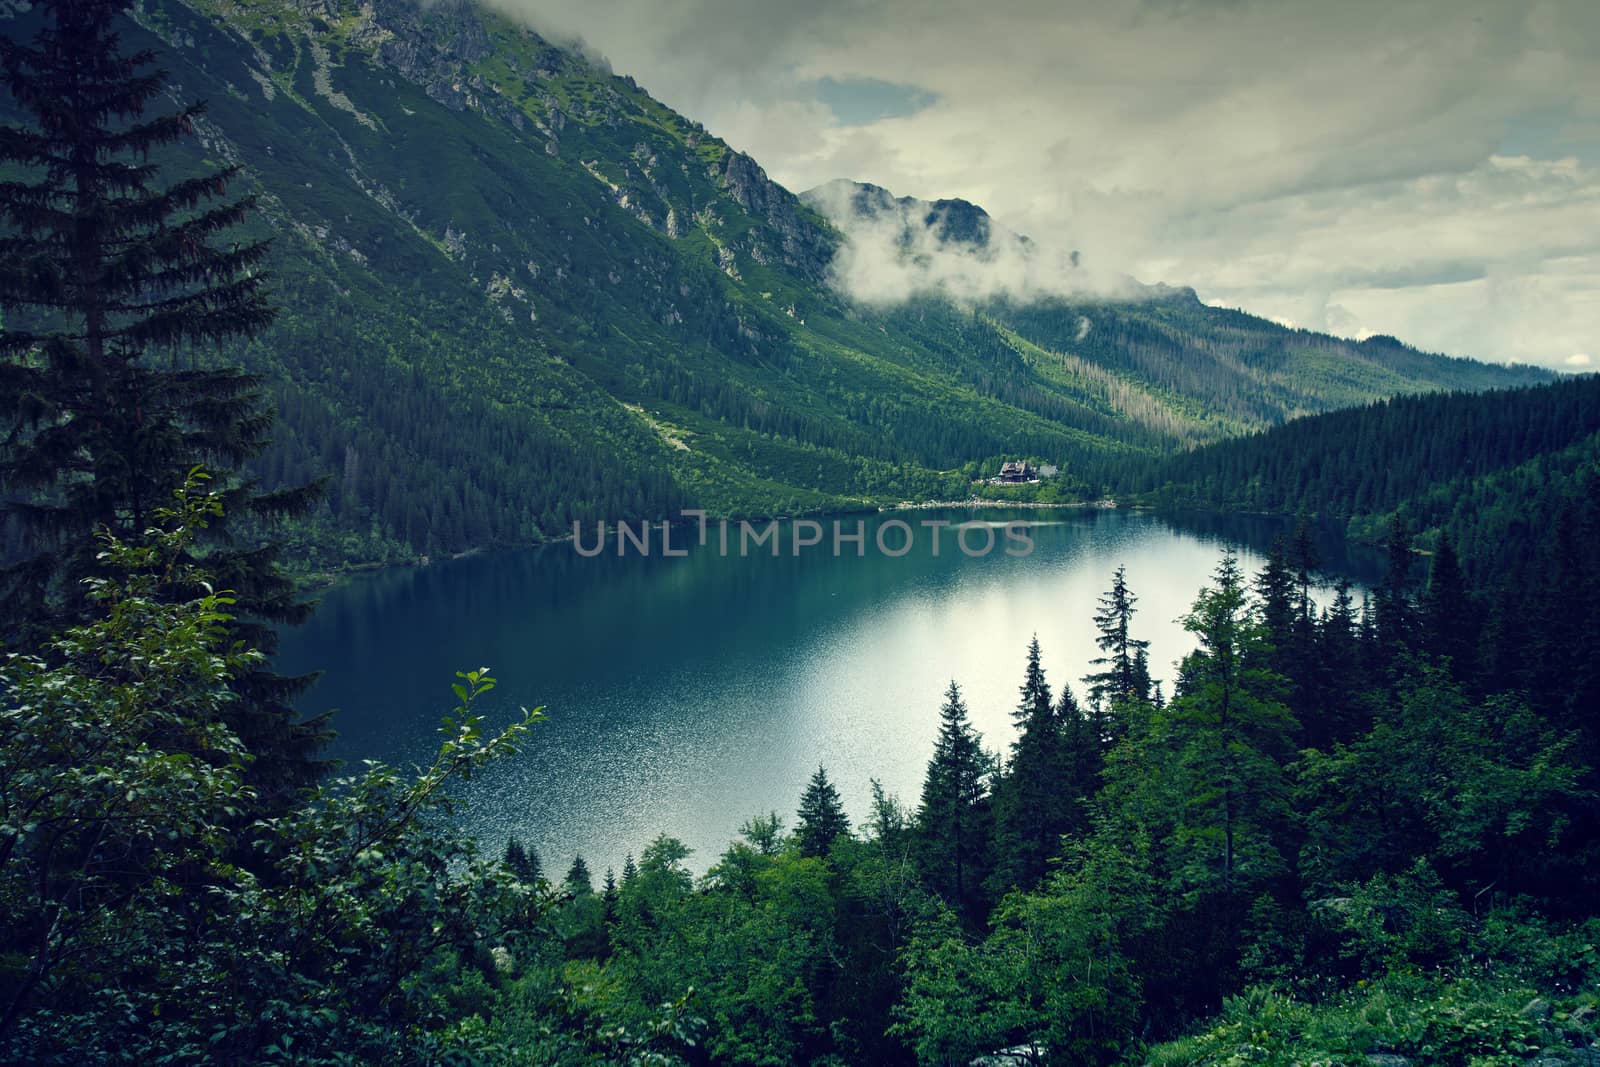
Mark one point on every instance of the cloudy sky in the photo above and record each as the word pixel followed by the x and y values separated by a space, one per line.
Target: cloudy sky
pixel 1430 170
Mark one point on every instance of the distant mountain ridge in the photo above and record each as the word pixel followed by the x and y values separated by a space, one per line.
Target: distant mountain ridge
pixel 951 221
pixel 518 291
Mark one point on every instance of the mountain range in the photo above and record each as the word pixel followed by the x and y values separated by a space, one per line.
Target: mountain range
pixel 518 291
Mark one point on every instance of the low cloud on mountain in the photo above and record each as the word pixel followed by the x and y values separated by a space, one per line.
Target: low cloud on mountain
pixel 1428 169
pixel 899 248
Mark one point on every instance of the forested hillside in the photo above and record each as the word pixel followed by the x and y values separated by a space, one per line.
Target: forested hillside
pixel 1489 471
pixel 1353 835
pixel 1360 835
pixel 518 291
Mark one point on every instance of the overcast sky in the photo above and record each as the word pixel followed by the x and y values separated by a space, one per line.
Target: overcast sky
pixel 1429 170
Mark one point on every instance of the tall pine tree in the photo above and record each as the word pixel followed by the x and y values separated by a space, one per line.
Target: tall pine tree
pixel 1124 663
pixel 1394 608
pixel 821 817
pixel 1036 796
pixel 1230 736
pixel 113 283
pixel 578 881
pixel 1275 595
pixel 1450 617
pixel 954 834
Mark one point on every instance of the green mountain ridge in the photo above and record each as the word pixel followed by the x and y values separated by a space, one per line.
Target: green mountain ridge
pixel 519 292
pixel 1492 471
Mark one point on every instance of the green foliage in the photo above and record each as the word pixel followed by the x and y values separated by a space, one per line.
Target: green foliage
pixel 1041 795
pixel 1479 1021
pixel 954 836
pixel 1125 675
pixel 145 917
pixel 1488 470
pixel 1330 904
pixel 1053 979
pixel 821 819
pixel 1483 786
pixel 549 299
pixel 115 284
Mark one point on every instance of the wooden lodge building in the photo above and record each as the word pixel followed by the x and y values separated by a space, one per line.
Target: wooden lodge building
pixel 1017 471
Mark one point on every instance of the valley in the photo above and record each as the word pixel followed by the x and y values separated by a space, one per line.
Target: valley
pixel 518 292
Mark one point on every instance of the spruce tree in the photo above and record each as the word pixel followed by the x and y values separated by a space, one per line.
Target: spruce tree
pixel 1394 610
pixel 954 838
pixel 1283 603
pixel 1124 675
pixel 1230 736
pixel 1085 756
pixel 1563 655
pixel 1034 798
pixel 1300 660
pixel 1330 709
pixel 523 862
pixel 610 897
pixel 578 881
pixel 1141 682
pixel 113 284
pixel 1450 619
pixel 1275 593
pixel 821 818
pixel 1304 559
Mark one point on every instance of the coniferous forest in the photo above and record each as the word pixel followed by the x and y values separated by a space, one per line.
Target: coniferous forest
pixel 1363 831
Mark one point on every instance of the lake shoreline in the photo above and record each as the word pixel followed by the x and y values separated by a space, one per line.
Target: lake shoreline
pixel 687 694
pixel 323 580
pixel 977 503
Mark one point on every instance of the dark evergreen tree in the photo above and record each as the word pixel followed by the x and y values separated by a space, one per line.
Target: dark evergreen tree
pixel 954 839
pixel 1330 706
pixel 107 276
pixel 1275 592
pixel 1142 682
pixel 1394 608
pixel 821 818
pixel 609 897
pixel 1034 798
pixel 1562 670
pixel 1284 605
pixel 578 881
pixel 630 869
pixel 1085 756
pixel 1230 736
pixel 1300 662
pixel 1450 620
pixel 1122 676
pixel 523 862
pixel 1305 560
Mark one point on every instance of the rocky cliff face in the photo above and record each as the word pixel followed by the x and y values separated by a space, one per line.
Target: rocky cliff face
pixel 950 222
pixel 571 107
pixel 804 243
pixel 439 46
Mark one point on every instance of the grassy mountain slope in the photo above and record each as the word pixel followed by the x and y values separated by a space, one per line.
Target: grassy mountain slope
pixel 518 291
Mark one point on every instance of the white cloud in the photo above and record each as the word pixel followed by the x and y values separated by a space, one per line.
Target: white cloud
pixel 1578 359
pixel 1342 165
pixel 898 251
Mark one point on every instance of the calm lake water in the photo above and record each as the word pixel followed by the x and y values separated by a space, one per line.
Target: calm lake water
pixel 686 694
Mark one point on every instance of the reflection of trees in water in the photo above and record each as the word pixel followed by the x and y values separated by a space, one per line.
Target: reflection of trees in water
pixel 1362 564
